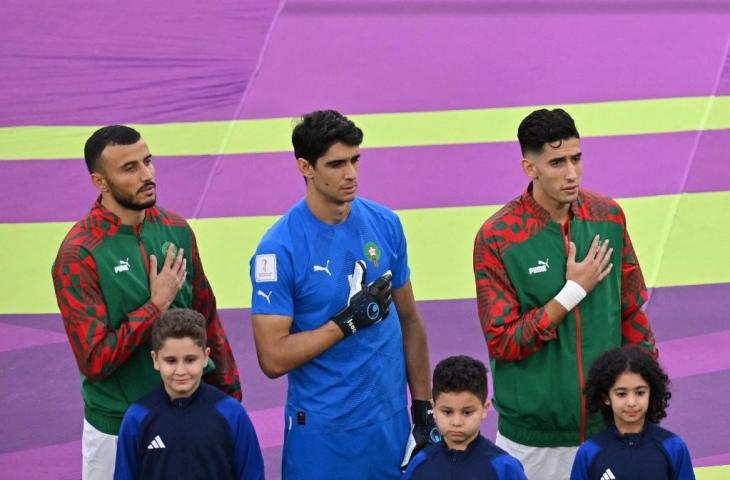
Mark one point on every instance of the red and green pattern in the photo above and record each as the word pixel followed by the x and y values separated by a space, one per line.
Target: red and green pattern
pixel 102 288
pixel 525 349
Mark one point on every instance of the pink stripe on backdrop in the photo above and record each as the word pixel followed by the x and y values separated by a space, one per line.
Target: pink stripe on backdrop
pixel 13 337
pixel 269 425
pixel 407 177
pixel 400 59
pixel 680 358
pixel 60 462
pixel 189 62
pixel 695 355
pixel 721 459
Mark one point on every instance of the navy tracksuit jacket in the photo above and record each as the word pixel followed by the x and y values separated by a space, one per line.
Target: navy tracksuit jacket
pixel 653 454
pixel 206 436
pixel 482 460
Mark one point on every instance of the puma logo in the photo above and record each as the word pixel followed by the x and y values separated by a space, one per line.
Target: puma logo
pixel 320 268
pixel 267 296
pixel 123 266
pixel 542 266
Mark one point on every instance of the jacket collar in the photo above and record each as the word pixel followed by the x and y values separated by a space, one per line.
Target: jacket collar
pixel 110 221
pixel 539 211
pixel 458 455
pixel 632 438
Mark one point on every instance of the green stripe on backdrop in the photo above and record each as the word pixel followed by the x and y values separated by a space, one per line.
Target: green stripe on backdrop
pixel 720 472
pixel 677 237
pixel 631 117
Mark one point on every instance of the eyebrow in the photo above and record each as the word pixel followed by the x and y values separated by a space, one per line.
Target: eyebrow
pixel 624 389
pixel 130 162
pixel 354 157
pixel 576 155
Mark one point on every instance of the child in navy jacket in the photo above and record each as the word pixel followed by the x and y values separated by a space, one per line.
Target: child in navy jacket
pixel 460 405
pixel 630 389
pixel 186 429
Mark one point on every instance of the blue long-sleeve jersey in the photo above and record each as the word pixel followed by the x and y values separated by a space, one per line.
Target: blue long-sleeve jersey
pixel 655 454
pixel 208 435
pixel 482 460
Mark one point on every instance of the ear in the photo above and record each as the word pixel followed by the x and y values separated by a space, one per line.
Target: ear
pixel 154 360
pixel 606 400
pixel 529 168
pixel 207 354
pixel 486 407
pixel 99 182
pixel 305 168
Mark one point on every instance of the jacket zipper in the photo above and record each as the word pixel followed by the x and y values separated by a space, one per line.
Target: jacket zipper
pixel 578 353
pixel 143 251
pixel 581 378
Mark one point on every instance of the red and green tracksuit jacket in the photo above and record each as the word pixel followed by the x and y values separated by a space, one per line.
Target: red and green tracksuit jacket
pixel 539 370
pixel 102 287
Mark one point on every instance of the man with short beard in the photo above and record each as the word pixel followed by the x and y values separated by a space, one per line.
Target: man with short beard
pixel 117 271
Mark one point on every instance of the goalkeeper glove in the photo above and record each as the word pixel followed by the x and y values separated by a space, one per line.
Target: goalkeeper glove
pixel 367 305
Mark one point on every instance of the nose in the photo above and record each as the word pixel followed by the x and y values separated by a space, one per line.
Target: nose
pixel 148 172
pixel 572 171
pixel 351 170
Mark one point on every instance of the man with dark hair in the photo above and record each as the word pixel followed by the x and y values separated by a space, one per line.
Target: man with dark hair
pixel 111 288
pixel 552 296
pixel 323 278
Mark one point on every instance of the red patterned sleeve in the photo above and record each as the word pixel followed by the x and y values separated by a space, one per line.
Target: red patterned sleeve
pixel 635 328
pixel 225 375
pixel 98 349
pixel 510 335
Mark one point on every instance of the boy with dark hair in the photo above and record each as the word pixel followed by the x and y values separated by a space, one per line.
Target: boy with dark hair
pixel 460 405
pixel 186 428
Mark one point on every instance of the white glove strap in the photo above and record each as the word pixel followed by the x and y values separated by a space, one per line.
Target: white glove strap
pixel 570 295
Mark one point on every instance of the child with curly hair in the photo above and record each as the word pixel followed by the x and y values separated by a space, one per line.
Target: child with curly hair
pixel 629 388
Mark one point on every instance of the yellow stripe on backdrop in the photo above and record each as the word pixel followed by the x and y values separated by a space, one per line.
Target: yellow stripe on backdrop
pixel 629 117
pixel 678 239
pixel 720 472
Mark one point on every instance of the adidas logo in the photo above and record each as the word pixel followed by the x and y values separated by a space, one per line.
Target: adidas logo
pixel 608 475
pixel 157 443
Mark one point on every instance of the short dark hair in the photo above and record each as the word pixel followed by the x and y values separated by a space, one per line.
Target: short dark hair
pixel 105 136
pixel 545 126
pixel 317 131
pixel 607 368
pixel 179 323
pixel 460 373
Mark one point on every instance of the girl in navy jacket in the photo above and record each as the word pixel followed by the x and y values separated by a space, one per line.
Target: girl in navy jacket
pixel 629 388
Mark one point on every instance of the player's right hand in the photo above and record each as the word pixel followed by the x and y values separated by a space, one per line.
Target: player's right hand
pixel 594 268
pixel 367 305
pixel 165 284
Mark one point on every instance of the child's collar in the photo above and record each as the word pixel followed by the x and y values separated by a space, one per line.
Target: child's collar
pixel 182 402
pixel 462 453
pixel 631 438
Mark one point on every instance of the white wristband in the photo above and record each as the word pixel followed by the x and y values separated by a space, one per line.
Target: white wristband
pixel 570 295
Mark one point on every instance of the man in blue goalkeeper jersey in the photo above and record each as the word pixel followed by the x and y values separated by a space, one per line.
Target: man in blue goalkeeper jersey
pixel 323 279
